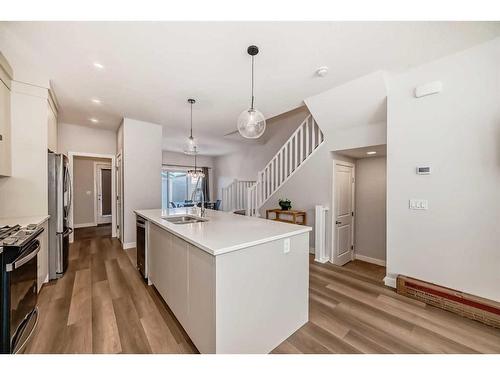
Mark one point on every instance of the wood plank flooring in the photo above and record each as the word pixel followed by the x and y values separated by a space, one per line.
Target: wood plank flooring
pixel 351 311
pixel 102 305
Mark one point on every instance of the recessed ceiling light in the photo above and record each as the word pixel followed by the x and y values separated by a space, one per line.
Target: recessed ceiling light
pixel 322 71
pixel 94 120
pixel 98 65
pixel 96 101
pixel 371 152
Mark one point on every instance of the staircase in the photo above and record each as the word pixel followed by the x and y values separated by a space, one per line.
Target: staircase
pixel 291 156
pixel 234 196
pixel 252 195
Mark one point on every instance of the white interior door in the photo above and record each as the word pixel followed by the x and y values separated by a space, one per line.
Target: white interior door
pixel 103 193
pixel 119 196
pixel 343 213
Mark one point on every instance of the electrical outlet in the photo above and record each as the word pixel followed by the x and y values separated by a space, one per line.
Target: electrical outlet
pixel 286 246
pixel 419 204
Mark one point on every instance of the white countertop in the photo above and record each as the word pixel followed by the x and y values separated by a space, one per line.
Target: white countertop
pixel 23 220
pixel 224 231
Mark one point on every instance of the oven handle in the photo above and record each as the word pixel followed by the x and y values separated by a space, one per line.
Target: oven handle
pixel 20 262
pixel 21 328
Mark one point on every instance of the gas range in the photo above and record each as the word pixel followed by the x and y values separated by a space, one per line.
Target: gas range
pixel 19 247
pixel 17 236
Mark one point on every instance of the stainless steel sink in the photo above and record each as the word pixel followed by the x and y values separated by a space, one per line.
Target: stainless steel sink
pixel 185 219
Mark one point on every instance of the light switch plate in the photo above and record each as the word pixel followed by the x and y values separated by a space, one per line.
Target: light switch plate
pixel 286 246
pixel 419 204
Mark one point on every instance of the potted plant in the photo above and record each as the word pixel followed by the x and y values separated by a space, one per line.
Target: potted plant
pixel 285 204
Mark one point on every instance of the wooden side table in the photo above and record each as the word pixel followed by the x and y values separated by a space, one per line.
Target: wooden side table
pixel 278 213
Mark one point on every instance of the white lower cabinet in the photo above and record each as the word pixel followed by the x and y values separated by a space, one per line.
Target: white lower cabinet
pixel 184 275
pixel 43 257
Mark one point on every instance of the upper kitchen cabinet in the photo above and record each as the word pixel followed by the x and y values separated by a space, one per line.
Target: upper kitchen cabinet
pixel 5 142
pixel 52 122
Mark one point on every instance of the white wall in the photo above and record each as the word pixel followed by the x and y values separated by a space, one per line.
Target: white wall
pixel 455 243
pixel 25 193
pixel 180 159
pixel 77 138
pixel 350 116
pixel 253 156
pixel 370 218
pixel 142 162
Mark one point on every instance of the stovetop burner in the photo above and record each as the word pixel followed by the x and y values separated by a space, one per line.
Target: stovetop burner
pixel 17 236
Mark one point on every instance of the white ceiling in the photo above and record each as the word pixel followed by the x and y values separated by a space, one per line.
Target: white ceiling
pixel 361 152
pixel 151 68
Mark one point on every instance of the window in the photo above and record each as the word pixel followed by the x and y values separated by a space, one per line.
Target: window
pixel 176 186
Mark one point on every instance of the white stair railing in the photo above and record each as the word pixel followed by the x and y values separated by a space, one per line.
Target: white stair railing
pixel 234 196
pixel 291 156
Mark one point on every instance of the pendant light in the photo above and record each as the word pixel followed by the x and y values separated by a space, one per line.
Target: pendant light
pixel 251 122
pixel 190 143
pixel 195 173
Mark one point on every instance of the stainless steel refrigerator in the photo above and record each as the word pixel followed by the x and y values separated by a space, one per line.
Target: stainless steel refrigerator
pixel 60 191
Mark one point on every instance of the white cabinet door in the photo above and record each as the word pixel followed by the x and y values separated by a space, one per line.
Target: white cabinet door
pixel 177 278
pixel 43 256
pixel 5 147
pixel 51 129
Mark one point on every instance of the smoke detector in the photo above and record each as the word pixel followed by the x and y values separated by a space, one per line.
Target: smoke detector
pixel 322 71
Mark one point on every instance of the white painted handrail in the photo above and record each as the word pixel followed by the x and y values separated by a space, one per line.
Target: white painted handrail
pixel 290 157
pixel 252 195
pixel 234 196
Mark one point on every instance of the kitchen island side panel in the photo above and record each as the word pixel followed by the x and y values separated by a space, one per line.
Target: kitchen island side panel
pixel 262 295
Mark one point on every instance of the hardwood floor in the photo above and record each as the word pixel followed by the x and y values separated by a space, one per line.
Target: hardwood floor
pixel 351 311
pixel 102 230
pixel 102 305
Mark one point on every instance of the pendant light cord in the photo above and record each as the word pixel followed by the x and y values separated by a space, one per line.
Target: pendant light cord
pixel 191 121
pixel 251 107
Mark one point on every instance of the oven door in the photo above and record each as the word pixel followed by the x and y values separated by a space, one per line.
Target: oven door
pixel 23 296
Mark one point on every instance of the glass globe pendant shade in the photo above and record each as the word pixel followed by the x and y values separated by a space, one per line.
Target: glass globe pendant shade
pixel 251 123
pixel 190 146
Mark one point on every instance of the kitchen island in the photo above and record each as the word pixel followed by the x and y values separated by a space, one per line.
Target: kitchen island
pixel 237 284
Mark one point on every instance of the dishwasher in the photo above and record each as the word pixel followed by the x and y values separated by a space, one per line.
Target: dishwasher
pixel 141 245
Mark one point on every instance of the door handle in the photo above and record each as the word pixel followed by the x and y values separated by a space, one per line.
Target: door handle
pixel 20 262
pixel 338 222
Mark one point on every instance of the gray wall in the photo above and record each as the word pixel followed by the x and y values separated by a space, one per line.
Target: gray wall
pixel 370 223
pixel 455 242
pixel 84 189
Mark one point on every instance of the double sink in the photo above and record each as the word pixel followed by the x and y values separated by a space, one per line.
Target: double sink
pixel 184 219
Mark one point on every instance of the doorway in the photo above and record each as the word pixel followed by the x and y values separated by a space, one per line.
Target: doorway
pixel 93 202
pixel 102 195
pixel 343 212
pixel 359 210
pixel 119 199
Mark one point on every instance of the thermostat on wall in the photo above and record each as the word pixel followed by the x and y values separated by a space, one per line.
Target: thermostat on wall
pixel 423 170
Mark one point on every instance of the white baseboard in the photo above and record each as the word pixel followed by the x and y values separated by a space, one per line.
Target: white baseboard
pixel 378 262
pixel 390 281
pixel 128 245
pixel 84 225
pixel 322 260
